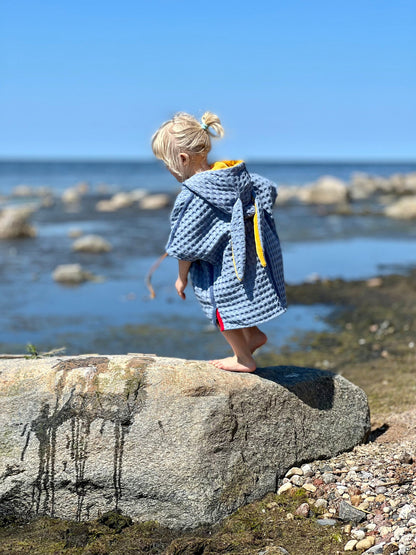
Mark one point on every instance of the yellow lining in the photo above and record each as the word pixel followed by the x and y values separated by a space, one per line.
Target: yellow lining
pixel 259 248
pixel 224 164
pixel 235 265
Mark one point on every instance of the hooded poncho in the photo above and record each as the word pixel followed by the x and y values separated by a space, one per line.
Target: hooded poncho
pixel 222 222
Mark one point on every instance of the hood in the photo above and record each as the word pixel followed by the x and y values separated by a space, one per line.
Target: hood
pixel 228 187
pixel 222 185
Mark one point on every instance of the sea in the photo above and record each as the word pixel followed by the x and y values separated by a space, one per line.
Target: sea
pixel 115 314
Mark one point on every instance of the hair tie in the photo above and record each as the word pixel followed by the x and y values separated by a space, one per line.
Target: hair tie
pixel 204 126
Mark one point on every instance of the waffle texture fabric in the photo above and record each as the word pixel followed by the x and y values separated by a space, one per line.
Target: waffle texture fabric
pixel 213 225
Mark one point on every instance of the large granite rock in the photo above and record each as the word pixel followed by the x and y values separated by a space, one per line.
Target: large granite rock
pixel 162 439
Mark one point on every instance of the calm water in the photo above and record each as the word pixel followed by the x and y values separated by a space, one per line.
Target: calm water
pixel 116 315
pixel 153 176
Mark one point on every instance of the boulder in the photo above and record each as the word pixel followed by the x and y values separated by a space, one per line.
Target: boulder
pixel 155 202
pixel 403 209
pixel 72 274
pixel 29 191
pixel 14 223
pixel 326 190
pixel 91 243
pixel 71 196
pixel 175 441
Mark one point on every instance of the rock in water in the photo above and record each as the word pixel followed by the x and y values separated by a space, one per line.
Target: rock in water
pixel 327 190
pixel 14 223
pixel 164 439
pixel 72 274
pixel 91 243
pixel 403 209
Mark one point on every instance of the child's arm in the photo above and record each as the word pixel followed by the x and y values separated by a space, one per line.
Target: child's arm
pixel 182 280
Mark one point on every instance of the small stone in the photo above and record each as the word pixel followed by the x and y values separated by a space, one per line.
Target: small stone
pixel 370 527
pixel 366 543
pixel 356 500
pixel 303 510
pixel 406 511
pixel 350 545
pixel 321 503
pixel 309 487
pixel 328 478
pixel 406 458
pixel 289 516
pixel 399 532
pixel 294 471
pixel 407 539
pixel 272 505
pixel 296 480
pixel 390 548
pixel 349 513
pixel 347 528
pixel 283 489
pixel 358 534
pixel 326 521
pixel 381 489
pixel 307 470
pixel 380 498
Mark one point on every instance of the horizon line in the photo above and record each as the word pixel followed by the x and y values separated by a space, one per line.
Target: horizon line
pixel 254 160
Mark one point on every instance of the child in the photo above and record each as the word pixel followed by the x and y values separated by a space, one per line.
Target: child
pixel 224 236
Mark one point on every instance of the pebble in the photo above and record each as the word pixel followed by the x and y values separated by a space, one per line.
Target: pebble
pixel 284 488
pixel 358 534
pixel 303 510
pixel 366 543
pixel 350 545
pixel 377 477
pixel 309 487
pixel 326 521
pixel 294 471
pixel 296 480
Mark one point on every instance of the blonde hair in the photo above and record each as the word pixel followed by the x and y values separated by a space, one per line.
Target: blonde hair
pixel 184 133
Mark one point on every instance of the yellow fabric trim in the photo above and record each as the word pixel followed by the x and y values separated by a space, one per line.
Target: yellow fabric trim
pixel 223 164
pixel 259 248
pixel 235 265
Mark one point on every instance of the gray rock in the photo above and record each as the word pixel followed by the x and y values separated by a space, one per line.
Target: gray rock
pixel 348 513
pixel 326 190
pixel 162 439
pixel 326 521
pixel 375 550
pixel 91 243
pixel 328 478
pixel 14 222
pixel 403 209
pixel 72 274
pixel 155 202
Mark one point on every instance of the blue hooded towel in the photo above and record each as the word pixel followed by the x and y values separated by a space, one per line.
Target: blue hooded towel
pixel 222 222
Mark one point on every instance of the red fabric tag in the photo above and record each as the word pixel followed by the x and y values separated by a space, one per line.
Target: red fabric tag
pixel 220 322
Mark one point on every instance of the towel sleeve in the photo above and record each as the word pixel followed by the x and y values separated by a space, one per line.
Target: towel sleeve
pixel 198 230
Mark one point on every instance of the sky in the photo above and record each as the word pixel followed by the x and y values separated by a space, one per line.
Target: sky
pixel 290 80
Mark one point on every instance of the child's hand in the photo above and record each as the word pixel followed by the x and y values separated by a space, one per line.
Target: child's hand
pixel 180 286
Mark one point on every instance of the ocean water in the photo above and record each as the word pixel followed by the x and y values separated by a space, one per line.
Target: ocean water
pixel 116 315
pixel 153 176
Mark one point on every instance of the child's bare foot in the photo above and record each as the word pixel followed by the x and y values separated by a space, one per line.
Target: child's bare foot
pixel 255 338
pixel 234 364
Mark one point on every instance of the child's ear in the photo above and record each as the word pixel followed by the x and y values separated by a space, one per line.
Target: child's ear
pixel 184 158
